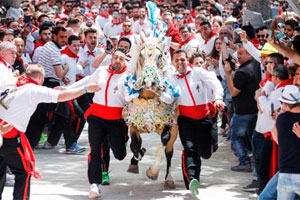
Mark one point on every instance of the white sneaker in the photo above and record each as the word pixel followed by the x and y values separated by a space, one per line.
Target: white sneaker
pixel 94 191
pixel 47 145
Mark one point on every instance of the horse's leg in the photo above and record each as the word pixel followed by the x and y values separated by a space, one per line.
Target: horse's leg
pixel 169 183
pixel 138 153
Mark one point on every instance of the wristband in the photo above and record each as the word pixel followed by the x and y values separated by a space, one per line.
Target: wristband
pixel 85 89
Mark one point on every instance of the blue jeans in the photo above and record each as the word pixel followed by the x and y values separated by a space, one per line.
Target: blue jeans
pixel 288 186
pixel 270 191
pixel 241 126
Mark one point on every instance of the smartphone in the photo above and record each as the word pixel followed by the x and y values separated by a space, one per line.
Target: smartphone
pixel 226 40
pixel 27 19
pixel 109 46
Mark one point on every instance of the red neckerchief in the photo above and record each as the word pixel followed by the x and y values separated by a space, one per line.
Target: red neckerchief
pixel 20 60
pixel 34 29
pixel 39 43
pixel 90 53
pixel 189 21
pixel 116 24
pixel 69 53
pixel 263 82
pixel 183 75
pixel 104 16
pixel 122 34
pixel 187 40
pixel 284 83
pixel 6 65
pixel 255 42
pixel 111 71
pixel 212 34
pixel 65 12
pixel 88 6
pixel 23 80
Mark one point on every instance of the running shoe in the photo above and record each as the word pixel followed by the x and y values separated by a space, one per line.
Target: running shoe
pixel 194 186
pixel 94 191
pixel 105 178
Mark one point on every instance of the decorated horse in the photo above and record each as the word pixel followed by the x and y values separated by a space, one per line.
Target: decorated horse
pixel 151 110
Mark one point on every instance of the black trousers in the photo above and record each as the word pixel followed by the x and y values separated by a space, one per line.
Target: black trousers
pixel 262 152
pixel 10 157
pixel 63 123
pixel 40 116
pixel 116 134
pixel 195 136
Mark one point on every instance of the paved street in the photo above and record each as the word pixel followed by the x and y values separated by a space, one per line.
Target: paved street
pixel 64 177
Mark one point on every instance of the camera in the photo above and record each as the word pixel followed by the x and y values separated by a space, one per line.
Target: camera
pixel 27 19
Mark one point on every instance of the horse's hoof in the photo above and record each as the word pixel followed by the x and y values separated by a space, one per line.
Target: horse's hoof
pixel 169 184
pixel 151 174
pixel 133 169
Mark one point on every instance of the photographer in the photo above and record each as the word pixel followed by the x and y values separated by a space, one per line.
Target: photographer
pixel 242 87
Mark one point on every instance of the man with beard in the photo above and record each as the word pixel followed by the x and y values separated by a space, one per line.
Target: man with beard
pixel 103 17
pixel 105 116
pixel 87 55
pixel 113 27
pixel 262 35
pixel 45 36
pixel 142 24
pixel 194 121
pixel 209 36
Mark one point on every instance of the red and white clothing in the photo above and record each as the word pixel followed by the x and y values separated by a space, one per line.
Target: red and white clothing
pixel 190 44
pixel 208 44
pixel 71 59
pixel 145 26
pixel 110 100
pixel 194 86
pixel 86 55
pixel 102 19
pixel 112 29
pixel 23 102
pixel 6 75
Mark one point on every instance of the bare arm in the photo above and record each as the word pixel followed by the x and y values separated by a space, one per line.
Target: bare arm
pixel 233 90
pixel 99 60
pixel 61 71
pixel 275 134
pixel 286 51
pixel 69 94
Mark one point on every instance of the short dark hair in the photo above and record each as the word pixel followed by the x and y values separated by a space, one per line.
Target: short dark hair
pixel 4 32
pixel 72 38
pixel 205 23
pixel 177 51
pixel 41 16
pixel 196 55
pixel 73 21
pixel 56 30
pixel 126 40
pixel 122 50
pixel 281 72
pixel 291 22
pixel 261 29
pixel 43 28
pixel 89 30
pixel 277 58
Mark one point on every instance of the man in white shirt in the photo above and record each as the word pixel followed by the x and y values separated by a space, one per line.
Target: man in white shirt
pixel 113 27
pixel 209 36
pixel 194 119
pixel 16 151
pixel 104 16
pixel 105 116
pixel 142 24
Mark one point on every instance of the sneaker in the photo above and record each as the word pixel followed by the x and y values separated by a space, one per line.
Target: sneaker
pixel 105 178
pixel 194 186
pixel 43 137
pixel 10 179
pixel 47 145
pixel 94 191
pixel 251 187
pixel 75 149
pixel 242 168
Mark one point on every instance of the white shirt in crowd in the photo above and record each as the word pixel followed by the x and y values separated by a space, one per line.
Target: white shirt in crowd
pixel 74 69
pixel 137 27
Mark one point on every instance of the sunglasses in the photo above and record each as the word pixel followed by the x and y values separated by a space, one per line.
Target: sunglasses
pixel 183 32
pixel 178 18
pixel 89 19
pixel 105 7
pixel 262 36
pixel 126 25
pixel 185 14
pixel 68 6
pixel 276 5
pixel 123 13
pixel 115 15
pixel 224 16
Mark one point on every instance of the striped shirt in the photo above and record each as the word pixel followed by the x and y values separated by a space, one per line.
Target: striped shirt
pixel 50 57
